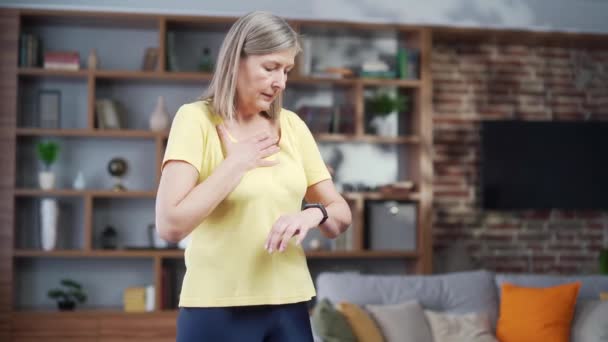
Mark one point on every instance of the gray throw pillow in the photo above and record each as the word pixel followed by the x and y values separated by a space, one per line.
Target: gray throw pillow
pixel 329 324
pixel 403 322
pixel 590 323
pixel 472 327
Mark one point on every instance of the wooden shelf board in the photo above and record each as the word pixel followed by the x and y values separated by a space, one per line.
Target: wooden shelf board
pixel 180 254
pixel 412 196
pixel 360 254
pixel 152 75
pixel 53 73
pixel 201 76
pixel 75 193
pixel 123 253
pixel 95 133
pixel 310 80
pixel 367 138
pixel 105 312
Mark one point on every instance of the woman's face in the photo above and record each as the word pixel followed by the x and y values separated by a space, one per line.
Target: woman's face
pixel 261 79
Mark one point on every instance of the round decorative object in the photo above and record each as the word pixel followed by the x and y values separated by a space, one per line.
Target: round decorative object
pixel 117 167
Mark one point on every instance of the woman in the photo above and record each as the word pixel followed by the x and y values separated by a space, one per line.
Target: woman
pixel 234 174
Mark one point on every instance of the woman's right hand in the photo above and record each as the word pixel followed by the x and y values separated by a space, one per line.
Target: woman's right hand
pixel 249 153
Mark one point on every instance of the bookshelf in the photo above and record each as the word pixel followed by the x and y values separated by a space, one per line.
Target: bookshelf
pixel 88 148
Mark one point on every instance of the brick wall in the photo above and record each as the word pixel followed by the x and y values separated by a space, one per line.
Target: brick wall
pixel 473 82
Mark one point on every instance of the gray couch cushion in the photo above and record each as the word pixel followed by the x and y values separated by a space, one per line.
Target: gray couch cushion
pixel 404 322
pixel 590 322
pixel 591 285
pixel 462 292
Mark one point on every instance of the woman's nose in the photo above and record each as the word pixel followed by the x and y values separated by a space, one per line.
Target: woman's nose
pixel 280 80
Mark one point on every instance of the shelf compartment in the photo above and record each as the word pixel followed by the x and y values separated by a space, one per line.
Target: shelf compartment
pixel 92 158
pixel 130 219
pixel 28 221
pixel 135 115
pixel 72 107
pixel 120 41
pixel 103 280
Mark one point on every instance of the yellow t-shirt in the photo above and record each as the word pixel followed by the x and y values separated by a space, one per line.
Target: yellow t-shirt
pixel 226 263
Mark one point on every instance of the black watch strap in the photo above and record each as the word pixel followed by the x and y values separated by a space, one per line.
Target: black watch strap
pixel 320 207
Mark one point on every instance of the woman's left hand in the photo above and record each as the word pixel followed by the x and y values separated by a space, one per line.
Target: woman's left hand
pixel 288 226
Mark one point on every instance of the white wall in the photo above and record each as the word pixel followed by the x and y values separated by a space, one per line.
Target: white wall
pixel 552 15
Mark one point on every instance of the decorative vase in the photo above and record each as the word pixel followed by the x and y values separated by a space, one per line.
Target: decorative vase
pixel 49 213
pixel 79 182
pixel 386 125
pixel 159 119
pixel 93 60
pixel 46 179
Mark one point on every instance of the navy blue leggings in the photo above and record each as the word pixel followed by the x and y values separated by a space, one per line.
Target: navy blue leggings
pixel 258 323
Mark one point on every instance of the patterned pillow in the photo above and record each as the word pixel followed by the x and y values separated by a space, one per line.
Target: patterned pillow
pixel 471 327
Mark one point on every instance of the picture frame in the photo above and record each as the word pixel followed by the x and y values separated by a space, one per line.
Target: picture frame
pixel 107 115
pixel 49 108
pixel 150 61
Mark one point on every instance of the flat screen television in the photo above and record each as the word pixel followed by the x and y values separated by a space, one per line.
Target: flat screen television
pixel 544 165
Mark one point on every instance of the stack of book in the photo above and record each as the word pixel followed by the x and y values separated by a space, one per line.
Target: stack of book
pixel 139 299
pixel 29 50
pixel 64 60
pixel 134 299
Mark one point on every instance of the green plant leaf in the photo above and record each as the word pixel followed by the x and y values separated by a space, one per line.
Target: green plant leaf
pixel 383 103
pixel 47 152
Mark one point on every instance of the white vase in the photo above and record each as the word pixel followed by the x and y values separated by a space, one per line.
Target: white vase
pixel 79 182
pixel 49 214
pixel 46 179
pixel 159 118
pixel 386 125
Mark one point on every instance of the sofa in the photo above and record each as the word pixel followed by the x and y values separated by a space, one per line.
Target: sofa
pixel 457 293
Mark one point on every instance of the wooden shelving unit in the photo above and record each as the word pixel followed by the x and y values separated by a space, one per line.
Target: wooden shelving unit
pixel 159 324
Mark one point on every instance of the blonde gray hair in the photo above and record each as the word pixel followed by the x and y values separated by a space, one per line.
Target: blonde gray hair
pixel 256 33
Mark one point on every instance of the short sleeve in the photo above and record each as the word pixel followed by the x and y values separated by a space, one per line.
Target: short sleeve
pixel 185 141
pixel 313 163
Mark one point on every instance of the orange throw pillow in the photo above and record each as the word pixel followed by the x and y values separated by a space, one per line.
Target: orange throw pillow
pixel 364 327
pixel 530 314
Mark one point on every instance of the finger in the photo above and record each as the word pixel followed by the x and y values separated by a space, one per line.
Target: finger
pixel 267 163
pixel 287 235
pixel 266 143
pixel 267 152
pixel 275 238
pixel 260 136
pixel 275 227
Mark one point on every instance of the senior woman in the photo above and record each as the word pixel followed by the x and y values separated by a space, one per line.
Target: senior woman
pixel 236 169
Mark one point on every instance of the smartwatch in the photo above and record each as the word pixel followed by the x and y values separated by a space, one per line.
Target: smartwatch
pixel 320 207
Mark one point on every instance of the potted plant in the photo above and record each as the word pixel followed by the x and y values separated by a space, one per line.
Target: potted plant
pixel 68 295
pixel 47 152
pixel 384 110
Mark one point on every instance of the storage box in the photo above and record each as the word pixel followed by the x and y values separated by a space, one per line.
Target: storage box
pixel 391 225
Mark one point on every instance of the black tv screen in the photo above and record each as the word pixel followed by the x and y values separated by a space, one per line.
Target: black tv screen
pixel 544 165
